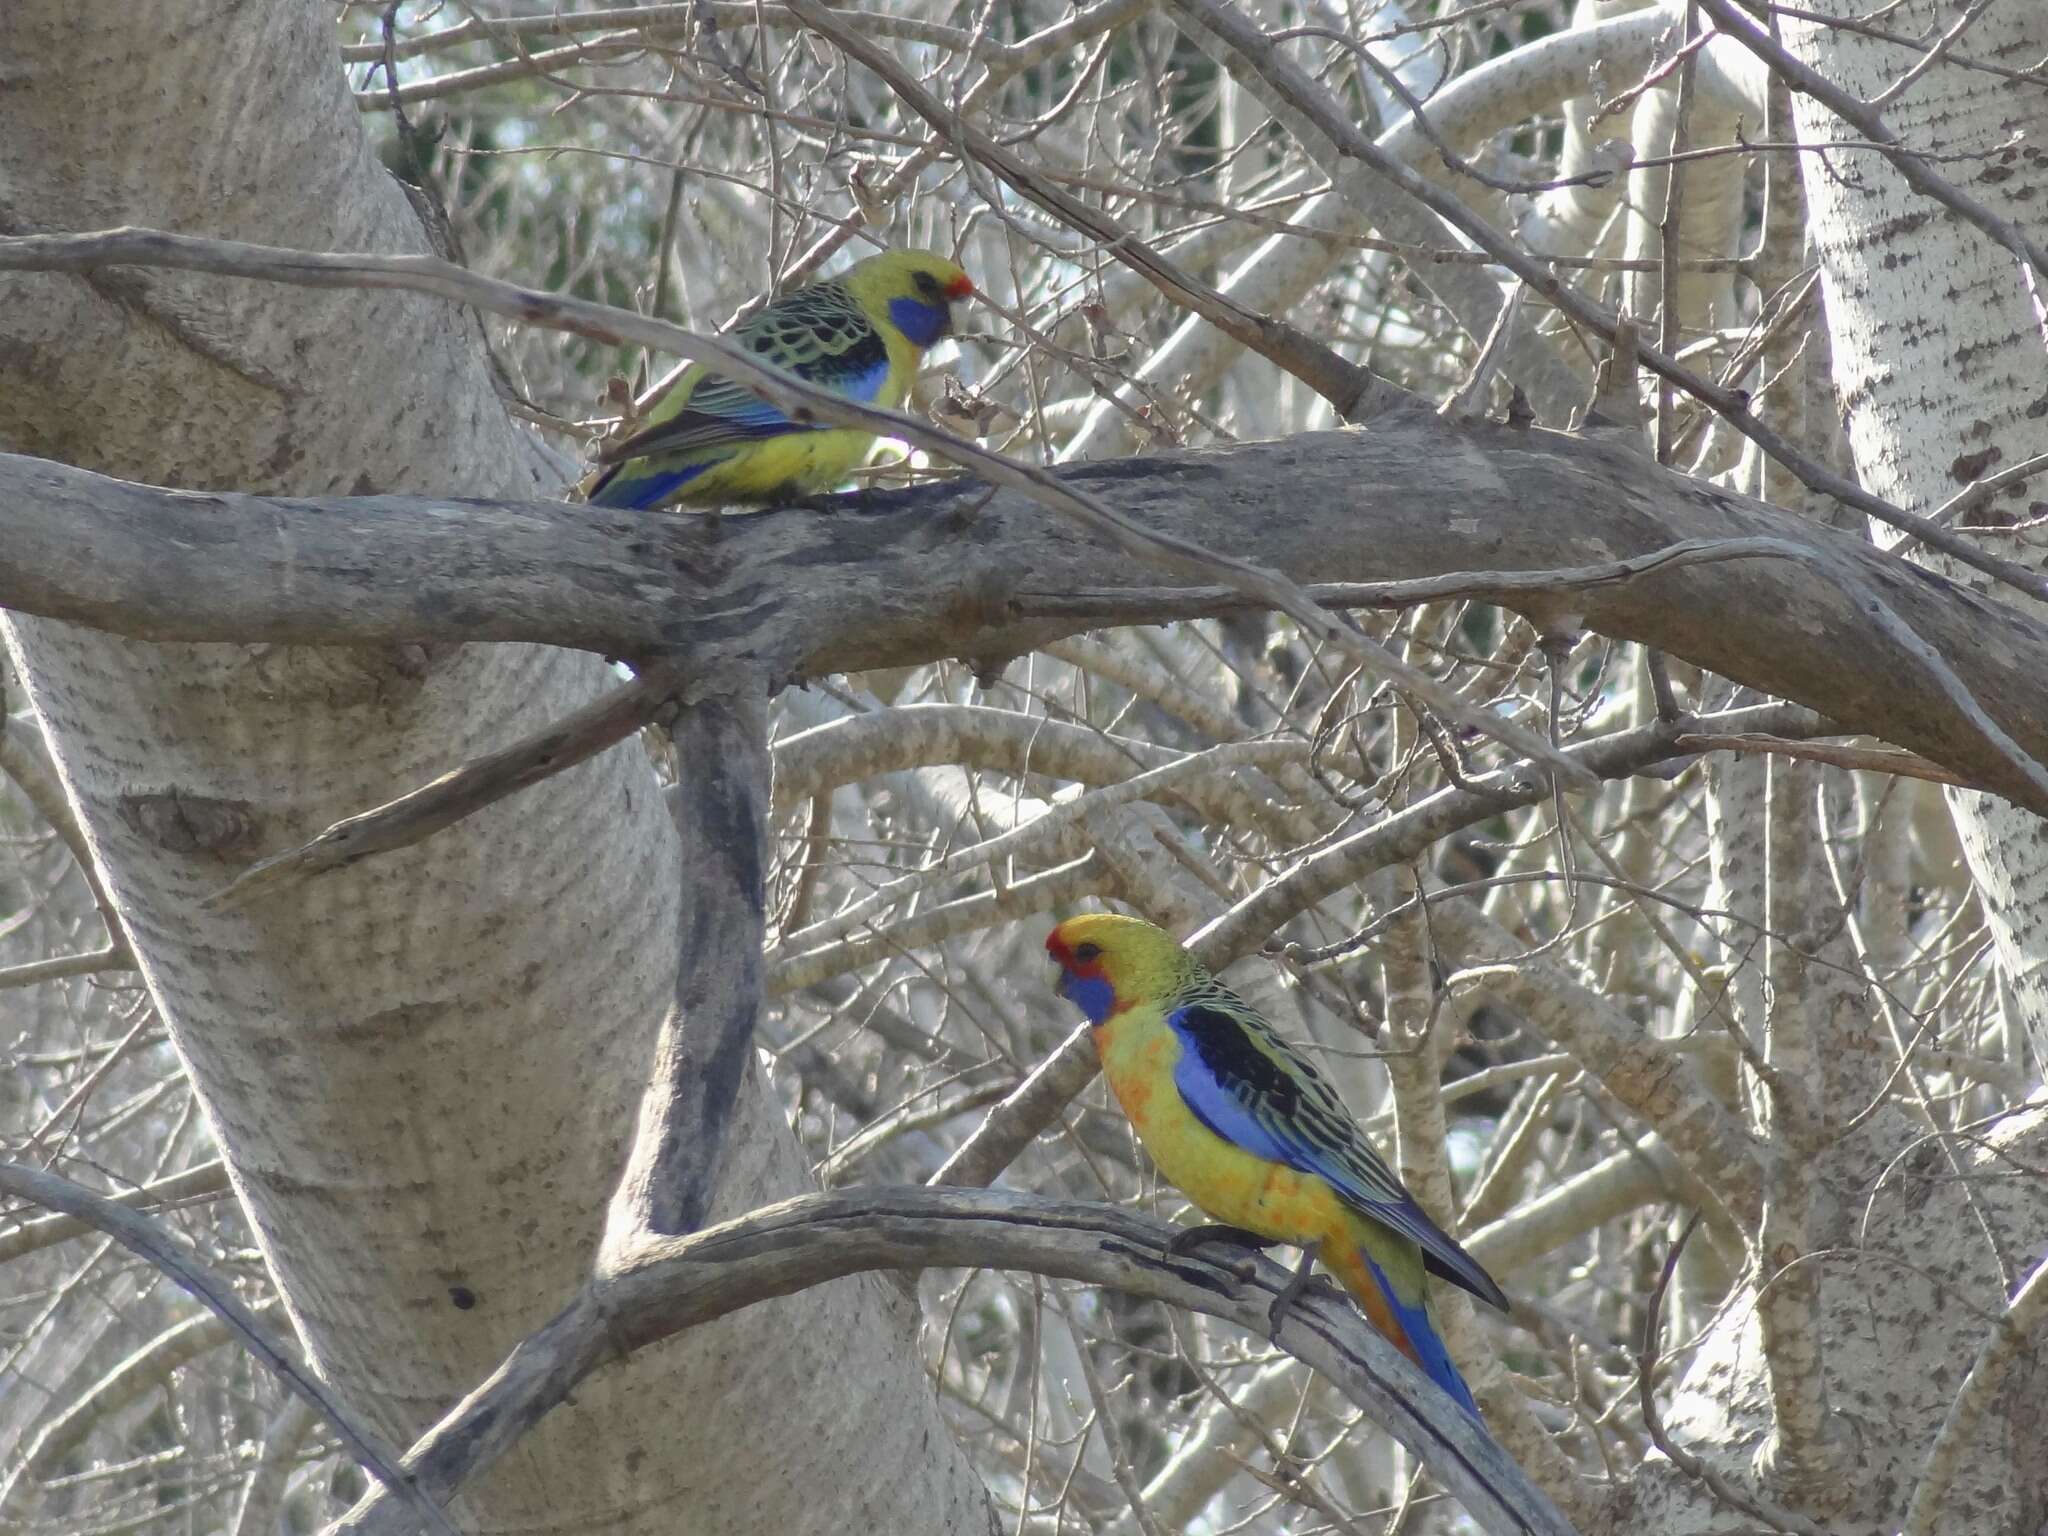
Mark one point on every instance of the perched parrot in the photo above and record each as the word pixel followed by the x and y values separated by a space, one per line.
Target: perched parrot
pixel 708 441
pixel 1252 1133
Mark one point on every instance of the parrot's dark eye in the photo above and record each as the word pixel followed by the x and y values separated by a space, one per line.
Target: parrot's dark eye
pixel 1086 952
pixel 927 285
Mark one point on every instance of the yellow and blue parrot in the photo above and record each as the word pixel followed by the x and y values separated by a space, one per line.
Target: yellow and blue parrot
pixel 1252 1133
pixel 709 441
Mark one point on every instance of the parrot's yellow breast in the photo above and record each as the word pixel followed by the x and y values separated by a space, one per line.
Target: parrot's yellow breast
pixel 1229 1184
pixel 795 464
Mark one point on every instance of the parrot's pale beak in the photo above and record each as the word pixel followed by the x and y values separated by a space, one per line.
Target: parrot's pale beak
pixel 958 294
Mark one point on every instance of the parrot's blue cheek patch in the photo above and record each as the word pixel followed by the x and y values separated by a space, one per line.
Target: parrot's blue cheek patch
pixel 922 323
pixel 1093 995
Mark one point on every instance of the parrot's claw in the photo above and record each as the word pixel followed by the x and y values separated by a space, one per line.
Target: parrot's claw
pixel 1297 1283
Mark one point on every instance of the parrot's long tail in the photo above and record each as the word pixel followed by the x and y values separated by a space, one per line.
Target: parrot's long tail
pixel 613 487
pixel 1406 1325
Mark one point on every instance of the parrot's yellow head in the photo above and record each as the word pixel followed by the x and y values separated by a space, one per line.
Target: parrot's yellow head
pixel 1109 963
pixel 915 291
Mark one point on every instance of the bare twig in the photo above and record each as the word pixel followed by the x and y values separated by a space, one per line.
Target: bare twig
pixel 24 759
pixel 1668 231
pixel 1905 765
pixel 156 1247
pixel 1225 22
pixel 1130 605
pixel 204 1182
pixel 1354 393
pixel 1033 1106
pixel 1693 1466
pixel 1469 399
pixel 480 782
pixel 1866 120
pixel 1040 1100
pixel 145 1370
pixel 29 973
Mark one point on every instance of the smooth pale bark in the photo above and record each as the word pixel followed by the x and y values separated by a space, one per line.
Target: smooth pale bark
pixel 1901 1310
pixel 421 1073
pixel 1939 357
pixel 1902 1256
pixel 1710 217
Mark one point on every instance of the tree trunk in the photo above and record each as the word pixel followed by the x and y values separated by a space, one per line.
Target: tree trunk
pixel 1939 358
pixel 1881 1235
pixel 421 1071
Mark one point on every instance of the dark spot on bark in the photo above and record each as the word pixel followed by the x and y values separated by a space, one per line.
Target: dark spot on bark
pixel 463 1297
pixel 411 661
pixel 1971 466
pixel 17 356
pixel 193 824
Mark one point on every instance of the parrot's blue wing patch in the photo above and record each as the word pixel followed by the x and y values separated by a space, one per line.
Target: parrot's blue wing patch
pixel 752 413
pixel 619 489
pixel 1211 1100
pixel 722 413
pixel 1244 1094
pixel 864 383
pixel 1251 1088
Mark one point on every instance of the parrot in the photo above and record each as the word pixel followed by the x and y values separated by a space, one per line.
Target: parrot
pixel 709 441
pixel 1252 1133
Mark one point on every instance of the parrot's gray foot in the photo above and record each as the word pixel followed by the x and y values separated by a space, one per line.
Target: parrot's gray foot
pixel 1297 1283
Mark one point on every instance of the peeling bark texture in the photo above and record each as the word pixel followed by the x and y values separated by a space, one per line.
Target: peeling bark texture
pixel 1939 355
pixel 420 1212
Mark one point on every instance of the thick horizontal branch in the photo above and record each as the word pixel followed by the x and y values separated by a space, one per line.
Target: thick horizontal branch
pixel 800 400
pixel 664 1287
pixel 896 580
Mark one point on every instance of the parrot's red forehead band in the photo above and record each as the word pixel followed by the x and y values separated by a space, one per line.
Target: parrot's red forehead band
pixel 1075 957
